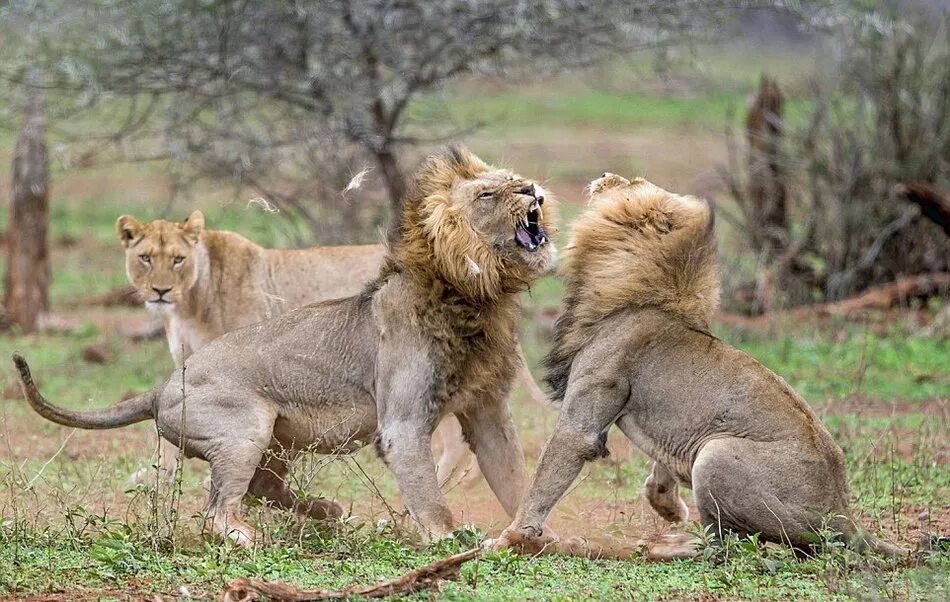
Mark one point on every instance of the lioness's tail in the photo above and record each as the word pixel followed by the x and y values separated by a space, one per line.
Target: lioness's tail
pixel 133 410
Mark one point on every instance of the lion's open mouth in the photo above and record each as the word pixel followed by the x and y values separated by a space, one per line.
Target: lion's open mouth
pixel 529 233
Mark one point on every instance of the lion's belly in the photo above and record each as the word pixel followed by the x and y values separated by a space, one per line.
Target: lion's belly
pixel 326 430
pixel 677 461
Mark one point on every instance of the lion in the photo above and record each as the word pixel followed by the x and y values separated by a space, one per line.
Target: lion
pixel 204 283
pixel 433 335
pixel 633 348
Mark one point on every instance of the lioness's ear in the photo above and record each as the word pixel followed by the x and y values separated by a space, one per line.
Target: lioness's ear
pixel 128 229
pixel 193 226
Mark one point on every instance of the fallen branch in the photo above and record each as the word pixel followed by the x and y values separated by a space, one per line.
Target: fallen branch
pixel 934 203
pixel 888 295
pixel 429 576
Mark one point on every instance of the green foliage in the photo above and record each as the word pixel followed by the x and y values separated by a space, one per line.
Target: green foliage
pixel 847 360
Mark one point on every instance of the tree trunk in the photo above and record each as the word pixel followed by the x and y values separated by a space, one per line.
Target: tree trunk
pixel 26 301
pixel 768 219
pixel 395 186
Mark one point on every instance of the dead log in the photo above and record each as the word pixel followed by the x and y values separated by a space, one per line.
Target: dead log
pixel 934 204
pixel 766 199
pixel 896 293
pixel 426 577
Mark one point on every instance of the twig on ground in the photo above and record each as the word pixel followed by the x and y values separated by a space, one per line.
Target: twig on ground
pixel 429 576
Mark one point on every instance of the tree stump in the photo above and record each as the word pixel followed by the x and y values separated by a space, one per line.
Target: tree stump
pixel 768 219
pixel 26 300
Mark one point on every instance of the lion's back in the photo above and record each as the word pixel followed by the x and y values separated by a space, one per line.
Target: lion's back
pixel 247 283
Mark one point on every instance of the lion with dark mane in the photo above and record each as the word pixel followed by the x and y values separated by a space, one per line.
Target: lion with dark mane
pixel 633 348
pixel 432 335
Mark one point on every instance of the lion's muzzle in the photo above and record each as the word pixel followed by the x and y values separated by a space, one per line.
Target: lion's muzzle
pixel 528 231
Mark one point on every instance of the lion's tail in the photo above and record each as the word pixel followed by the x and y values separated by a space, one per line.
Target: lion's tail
pixel 133 410
pixel 861 541
pixel 864 541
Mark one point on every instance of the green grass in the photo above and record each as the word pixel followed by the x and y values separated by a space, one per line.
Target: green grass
pixel 111 557
pixel 855 361
pixel 533 108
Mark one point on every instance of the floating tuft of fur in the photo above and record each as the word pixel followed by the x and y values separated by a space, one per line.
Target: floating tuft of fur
pixel 636 246
pixel 357 180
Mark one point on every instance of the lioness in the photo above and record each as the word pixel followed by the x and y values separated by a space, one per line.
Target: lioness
pixel 204 283
pixel 633 348
pixel 433 335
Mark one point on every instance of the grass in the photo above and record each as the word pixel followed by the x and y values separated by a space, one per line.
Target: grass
pixel 893 365
pixel 116 562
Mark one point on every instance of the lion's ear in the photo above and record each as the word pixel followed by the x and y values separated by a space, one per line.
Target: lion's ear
pixel 193 226
pixel 128 229
pixel 464 161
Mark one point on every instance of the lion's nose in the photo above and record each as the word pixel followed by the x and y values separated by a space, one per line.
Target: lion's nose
pixel 528 190
pixel 160 291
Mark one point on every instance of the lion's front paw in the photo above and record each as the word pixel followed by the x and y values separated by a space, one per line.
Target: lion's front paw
pixel 525 540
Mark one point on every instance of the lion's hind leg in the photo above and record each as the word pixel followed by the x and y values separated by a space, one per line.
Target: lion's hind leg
pixel 270 482
pixel 232 469
pixel 661 490
pixel 235 452
pixel 772 488
pixel 457 460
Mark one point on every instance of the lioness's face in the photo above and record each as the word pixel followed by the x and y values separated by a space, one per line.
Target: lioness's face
pixel 507 213
pixel 160 257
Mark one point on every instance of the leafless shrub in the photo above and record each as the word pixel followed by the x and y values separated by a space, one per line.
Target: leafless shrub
pixel 879 117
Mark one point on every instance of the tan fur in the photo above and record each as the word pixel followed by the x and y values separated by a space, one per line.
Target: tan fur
pixel 670 264
pixel 224 281
pixel 638 246
pixel 633 349
pixel 427 339
pixel 219 281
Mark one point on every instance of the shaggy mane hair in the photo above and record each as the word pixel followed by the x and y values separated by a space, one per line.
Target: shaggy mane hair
pixel 637 246
pixel 436 242
pixel 468 314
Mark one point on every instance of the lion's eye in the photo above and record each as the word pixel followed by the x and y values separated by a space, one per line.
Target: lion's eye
pixel 147 260
pixel 487 194
pixel 176 261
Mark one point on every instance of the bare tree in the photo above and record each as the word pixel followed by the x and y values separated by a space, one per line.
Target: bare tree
pixel 246 89
pixel 26 299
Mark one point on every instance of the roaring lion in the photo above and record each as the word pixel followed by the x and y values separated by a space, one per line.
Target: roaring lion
pixel 433 335
pixel 204 283
pixel 633 348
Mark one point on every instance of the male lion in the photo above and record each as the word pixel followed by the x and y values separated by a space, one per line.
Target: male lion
pixel 204 283
pixel 433 335
pixel 633 349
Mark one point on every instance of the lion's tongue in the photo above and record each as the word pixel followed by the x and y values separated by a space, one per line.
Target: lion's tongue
pixel 524 238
